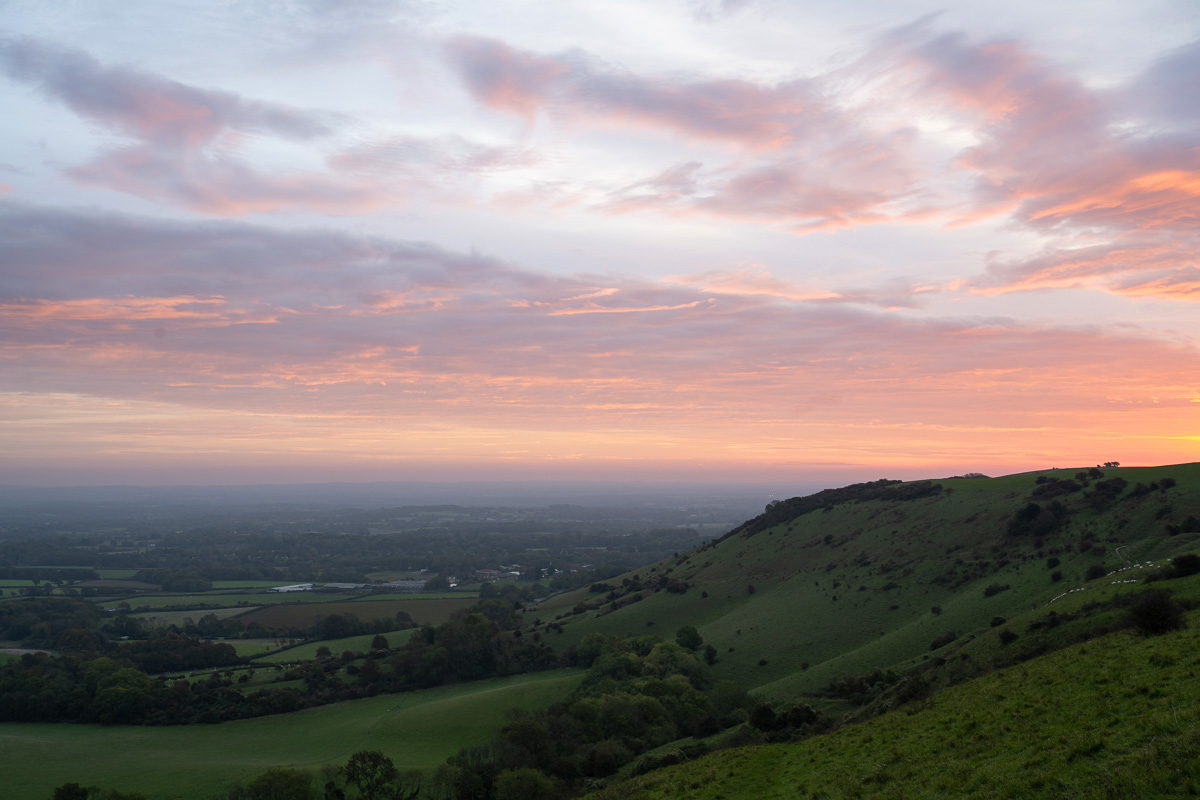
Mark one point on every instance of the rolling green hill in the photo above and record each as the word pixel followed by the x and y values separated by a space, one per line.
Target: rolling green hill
pixel 1117 717
pixel 976 629
pixel 868 576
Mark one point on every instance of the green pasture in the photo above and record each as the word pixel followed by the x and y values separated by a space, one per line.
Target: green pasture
pixel 116 574
pixel 161 619
pixel 251 647
pixel 417 730
pixel 422 608
pixel 308 650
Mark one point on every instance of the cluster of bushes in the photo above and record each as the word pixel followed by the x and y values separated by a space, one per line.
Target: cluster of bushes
pixel 861 689
pixel 1180 567
pixel 1048 487
pixel 639 693
pixel 1189 525
pixel 1037 520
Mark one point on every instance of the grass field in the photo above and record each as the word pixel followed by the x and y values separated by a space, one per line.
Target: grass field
pixel 165 618
pixel 423 610
pixel 308 650
pixel 198 762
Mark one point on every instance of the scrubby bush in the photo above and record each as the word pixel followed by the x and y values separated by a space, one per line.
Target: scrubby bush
pixel 688 637
pixel 943 640
pixel 1154 612
pixel 1095 571
pixel 1007 637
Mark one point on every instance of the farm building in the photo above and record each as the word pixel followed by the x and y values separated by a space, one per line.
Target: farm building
pixel 297 587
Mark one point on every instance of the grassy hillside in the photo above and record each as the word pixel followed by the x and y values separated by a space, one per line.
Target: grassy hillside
pixel 1116 717
pixel 197 762
pixel 869 576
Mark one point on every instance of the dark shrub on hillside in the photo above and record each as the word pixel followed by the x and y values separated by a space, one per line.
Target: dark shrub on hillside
pixel 1111 487
pixel 1186 564
pixel 943 640
pixel 763 717
pixel 1036 520
pixel 1154 613
pixel 1007 637
pixel 1165 483
pixel 1052 562
pixel 1181 566
pixel 1095 571
pixel 998 621
pixel 1056 576
pixel 1056 488
pixel 994 589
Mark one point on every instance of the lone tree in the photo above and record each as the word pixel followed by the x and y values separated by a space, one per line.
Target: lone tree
pixel 688 637
pixel 370 771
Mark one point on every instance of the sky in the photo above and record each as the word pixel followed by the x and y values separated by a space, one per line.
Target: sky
pixel 279 241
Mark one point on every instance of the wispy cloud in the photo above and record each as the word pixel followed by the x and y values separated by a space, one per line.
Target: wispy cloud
pixel 1108 177
pixel 799 156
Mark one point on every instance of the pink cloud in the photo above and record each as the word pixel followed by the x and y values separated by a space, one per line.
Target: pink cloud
pixel 578 85
pixel 805 157
pixel 1106 177
pixel 145 106
pixel 185 139
pixel 227 187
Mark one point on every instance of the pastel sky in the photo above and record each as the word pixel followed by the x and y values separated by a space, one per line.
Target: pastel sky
pixel 245 241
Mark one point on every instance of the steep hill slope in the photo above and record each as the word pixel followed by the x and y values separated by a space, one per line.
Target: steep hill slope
pixel 1117 717
pixel 869 576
